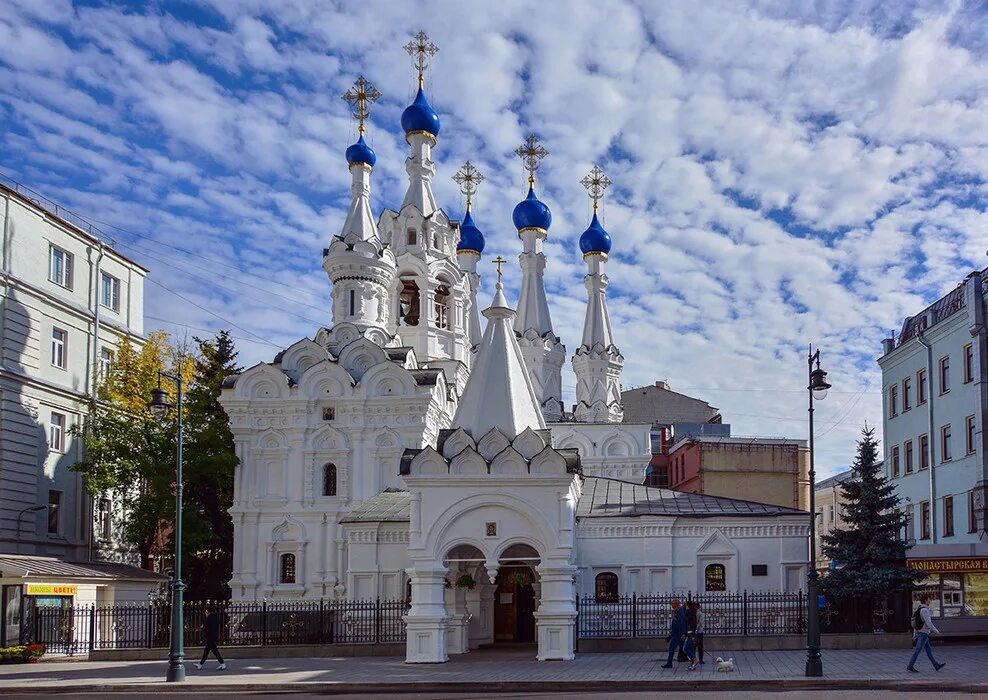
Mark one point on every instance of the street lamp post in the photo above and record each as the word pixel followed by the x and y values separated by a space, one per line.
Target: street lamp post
pixel 159 406
pixel 817 389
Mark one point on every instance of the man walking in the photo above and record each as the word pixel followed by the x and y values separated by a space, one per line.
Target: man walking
pixel 211 635
pixel 923 624
pixel 677 632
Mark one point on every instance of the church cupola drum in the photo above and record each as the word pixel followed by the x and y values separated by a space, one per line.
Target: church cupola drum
pixel 597 362
pixel 361 268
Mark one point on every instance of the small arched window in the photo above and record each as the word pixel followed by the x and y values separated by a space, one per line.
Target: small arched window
pixel 413 236
pixel 329 480
pixel 714 578
pixel 353 302
pixel 442 306
pixel 606 587
pixel 287 568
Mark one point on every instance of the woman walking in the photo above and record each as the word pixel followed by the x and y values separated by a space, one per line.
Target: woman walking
pixel 211 635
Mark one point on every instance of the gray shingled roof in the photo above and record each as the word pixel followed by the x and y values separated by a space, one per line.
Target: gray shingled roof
pixel 610 498
pixel 49 566
pixel 386 507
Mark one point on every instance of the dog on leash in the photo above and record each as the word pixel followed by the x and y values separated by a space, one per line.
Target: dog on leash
pixel 724 666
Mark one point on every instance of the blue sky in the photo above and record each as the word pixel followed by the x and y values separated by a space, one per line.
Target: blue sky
pixel 784 173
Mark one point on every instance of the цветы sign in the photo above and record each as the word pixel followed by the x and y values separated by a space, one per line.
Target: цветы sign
pixel 949 566
pixel 50 589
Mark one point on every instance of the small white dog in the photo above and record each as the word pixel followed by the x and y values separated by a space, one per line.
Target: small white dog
pixel 724 666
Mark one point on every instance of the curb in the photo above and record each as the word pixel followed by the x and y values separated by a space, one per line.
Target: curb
pixel 459 687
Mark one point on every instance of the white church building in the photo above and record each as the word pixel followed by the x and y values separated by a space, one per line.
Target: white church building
pixel 409 451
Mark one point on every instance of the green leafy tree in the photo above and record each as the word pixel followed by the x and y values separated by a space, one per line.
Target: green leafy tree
pixel 869 550
pixel 210 462
pixel 128 452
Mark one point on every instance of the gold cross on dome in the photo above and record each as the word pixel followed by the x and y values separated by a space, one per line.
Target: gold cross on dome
pixel 468 177
pixel 531 153
pixel 498 261
pixel 596 182
pixel 360 97
pixel 421 48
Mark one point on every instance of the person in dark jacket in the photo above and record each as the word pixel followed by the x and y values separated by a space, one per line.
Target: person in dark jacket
pixel 211 635
pixel 677 632
pixel 694 631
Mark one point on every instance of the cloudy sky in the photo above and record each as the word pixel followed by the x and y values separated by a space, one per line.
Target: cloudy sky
pixel 784 173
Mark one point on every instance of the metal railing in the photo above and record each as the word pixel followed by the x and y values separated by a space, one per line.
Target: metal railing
pixel 641 616
pixel 147 626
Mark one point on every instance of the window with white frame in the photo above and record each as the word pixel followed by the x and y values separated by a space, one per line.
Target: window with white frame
pixel 109 295
pixel 59 346
pixel 56 432
pixel 286 572
pixel 54 512
pixel 60 267
pixel 105 362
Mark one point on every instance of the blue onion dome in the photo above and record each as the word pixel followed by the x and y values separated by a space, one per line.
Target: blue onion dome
pixel 531 213
pixel 595 239
pixel 470 236
pixel 360 152
pixel 420 116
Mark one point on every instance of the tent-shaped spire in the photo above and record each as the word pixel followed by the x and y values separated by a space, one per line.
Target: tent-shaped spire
pixel 499 392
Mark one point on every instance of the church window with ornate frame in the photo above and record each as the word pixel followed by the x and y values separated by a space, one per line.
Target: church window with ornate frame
pixel 442 306
pixel 408 302
pixel 329 479
pixel 715 577
pixel 287 569
pixel 413 236
pixel 606 587
pixel 353 302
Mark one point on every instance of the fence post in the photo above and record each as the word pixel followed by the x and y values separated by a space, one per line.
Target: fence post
pixel 264 622
pixel 322 622
pixel 576 640
pixel 634 615
pixel 92 626
pixel 744 613
pixel 377 622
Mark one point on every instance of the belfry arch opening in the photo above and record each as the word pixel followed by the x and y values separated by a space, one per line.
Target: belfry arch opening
pixel 409 304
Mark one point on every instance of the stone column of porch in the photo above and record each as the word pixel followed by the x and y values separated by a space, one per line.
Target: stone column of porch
pixel 555 619
pixel 427 620
pixel 458 634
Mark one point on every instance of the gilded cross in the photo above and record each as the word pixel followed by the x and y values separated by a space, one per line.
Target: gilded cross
pixel 531 153
pixel 468 177
pixel 596 182
pixel 360 97
pixel 421 48
pixel 498 261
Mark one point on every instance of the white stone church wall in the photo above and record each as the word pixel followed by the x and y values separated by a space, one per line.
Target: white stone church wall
pixel 611 450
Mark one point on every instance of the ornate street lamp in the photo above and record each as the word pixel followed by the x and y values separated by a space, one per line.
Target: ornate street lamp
pixel 817 389
pixel 176 656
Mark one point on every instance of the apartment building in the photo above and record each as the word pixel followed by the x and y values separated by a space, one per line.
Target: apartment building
pixel 67 299
pixel 935 386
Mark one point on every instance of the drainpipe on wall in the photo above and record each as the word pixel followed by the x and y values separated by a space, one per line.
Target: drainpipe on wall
pixel 975 302
pixel 93 378
pixel 931 439
pixel 5 267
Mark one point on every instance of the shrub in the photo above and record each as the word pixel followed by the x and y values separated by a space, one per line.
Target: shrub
pixel 22 654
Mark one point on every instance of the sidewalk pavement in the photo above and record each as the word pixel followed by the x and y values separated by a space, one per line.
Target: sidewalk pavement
pixel 514 670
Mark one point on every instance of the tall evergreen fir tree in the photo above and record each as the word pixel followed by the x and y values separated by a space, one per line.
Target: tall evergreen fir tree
pixel 869 549
pixel 210 462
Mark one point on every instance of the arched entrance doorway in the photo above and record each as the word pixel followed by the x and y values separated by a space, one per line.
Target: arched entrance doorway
pixel 516 595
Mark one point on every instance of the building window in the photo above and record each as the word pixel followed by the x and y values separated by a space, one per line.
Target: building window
pixel 715 578
pixel 945 374
pixel 287 569
pixel 329 480
pixel 109 292
pixel 56 432
pixel 921 387
pixel 968 363
pixel 906 385
pixel 60 267
pixel 413 236
pixel 353 302
pixel 910 533
pixel 105 362
pixel 606 587
pixel 969 431
pixel 442 306
pixel 759 569
pixel 945 443
pixel 895 460
pixel 893 401
pixel 59 341
pixel 924 452
pixel 408 303
pixel 909 456
pixel 105 519
pixel 924 520
pixel 948 516
pixel 54 512
pixel 972 518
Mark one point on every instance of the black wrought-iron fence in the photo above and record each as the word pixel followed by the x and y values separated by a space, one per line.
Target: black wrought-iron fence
pixel 92 627
pixel 745 613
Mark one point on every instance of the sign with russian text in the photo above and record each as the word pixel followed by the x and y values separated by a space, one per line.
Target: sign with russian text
pixel 952 565
pixel 50 589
